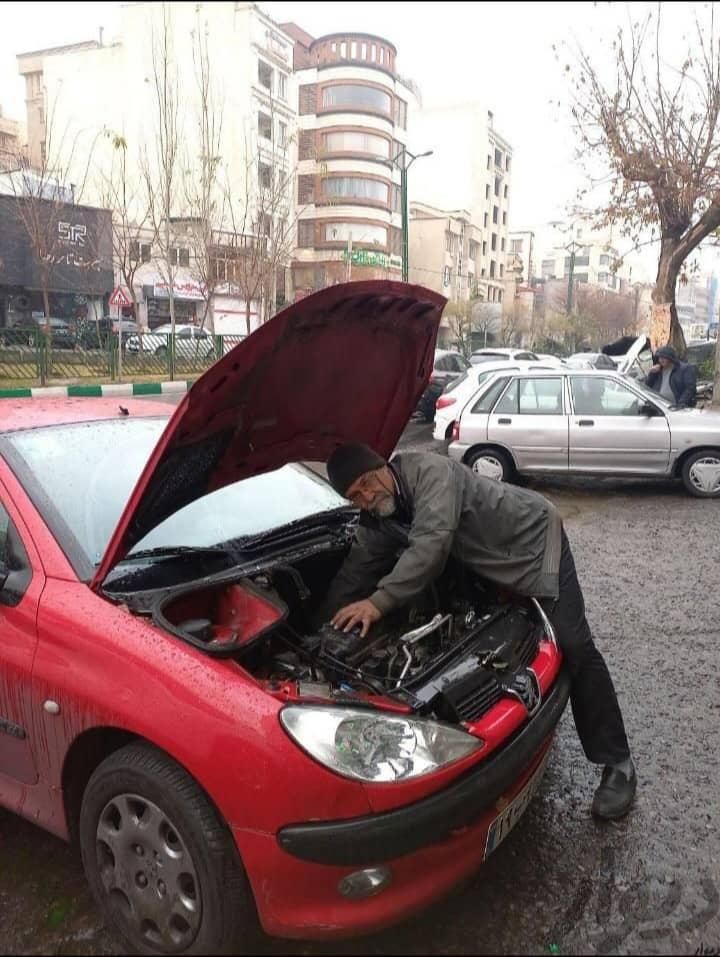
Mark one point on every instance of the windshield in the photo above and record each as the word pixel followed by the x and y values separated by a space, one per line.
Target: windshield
pixel 80 477
pixel 650 394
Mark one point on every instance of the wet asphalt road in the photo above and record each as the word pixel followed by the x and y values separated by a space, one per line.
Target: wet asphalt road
pixel 648 559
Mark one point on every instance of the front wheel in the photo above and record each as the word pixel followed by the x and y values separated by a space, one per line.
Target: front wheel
pixel 491 463
pixel 161 864
pixel 701 474
pixel 161 351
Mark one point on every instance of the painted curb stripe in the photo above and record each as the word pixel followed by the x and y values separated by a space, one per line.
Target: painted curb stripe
pixel 98 391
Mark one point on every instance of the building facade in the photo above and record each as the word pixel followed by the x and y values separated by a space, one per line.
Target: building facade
pixel 597 260
pixel 101 94
pixel 13 143
pixel 352 130
pixel 470 169
pixel 520 262
pixel 49 247
pixel 445 252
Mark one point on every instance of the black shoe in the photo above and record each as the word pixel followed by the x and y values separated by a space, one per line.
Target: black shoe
pixel 615 794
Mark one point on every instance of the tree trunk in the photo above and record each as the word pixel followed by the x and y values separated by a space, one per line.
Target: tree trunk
pixel 665 327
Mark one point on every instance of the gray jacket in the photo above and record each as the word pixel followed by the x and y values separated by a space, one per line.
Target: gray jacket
pixel 506 534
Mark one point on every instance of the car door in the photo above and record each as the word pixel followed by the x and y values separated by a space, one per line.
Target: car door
pixel 21 584
pixel 609 432
pixel 531 419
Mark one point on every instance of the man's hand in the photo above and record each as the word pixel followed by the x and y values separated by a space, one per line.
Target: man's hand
pixel 362 613
pixel 656 368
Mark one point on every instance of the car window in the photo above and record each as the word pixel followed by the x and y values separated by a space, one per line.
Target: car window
pixel 184 334
pixel 533 397
pixel 13 558
pixel 456 364
pixel 488 399
pixel 526 355
pixel 443 364
pixel 604 362
pixel 593 395
pixel 4 526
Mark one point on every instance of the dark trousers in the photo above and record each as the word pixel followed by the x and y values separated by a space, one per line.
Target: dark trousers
pixel 594 703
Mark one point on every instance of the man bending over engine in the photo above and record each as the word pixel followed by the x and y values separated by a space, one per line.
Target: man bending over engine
pixel 421 508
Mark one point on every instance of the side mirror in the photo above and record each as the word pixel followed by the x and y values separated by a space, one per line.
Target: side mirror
pixel 650 410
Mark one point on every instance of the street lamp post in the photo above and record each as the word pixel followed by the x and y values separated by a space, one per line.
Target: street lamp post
pixel 404 152
pixel 572 248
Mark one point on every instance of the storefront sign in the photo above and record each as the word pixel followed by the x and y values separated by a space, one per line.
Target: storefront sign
pixel 181 290
pixel 366 257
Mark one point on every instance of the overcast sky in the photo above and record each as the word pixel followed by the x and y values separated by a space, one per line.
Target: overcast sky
pixel 500 53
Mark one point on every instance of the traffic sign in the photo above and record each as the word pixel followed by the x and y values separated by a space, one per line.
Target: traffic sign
pixel 120 297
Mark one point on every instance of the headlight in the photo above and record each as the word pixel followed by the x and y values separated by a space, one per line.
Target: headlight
pixel 375 746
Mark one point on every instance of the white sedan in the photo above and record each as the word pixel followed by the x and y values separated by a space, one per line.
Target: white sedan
pixel 458 393
pixel 190 341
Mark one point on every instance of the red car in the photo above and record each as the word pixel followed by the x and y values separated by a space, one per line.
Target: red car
pixel 167 698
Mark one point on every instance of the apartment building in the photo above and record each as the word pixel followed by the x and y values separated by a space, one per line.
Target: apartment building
pixel 470 169
pixel 352 131
pixel 596 259
pixel 92 95
pixel 13 142
pixel 520 262
pixel 445 252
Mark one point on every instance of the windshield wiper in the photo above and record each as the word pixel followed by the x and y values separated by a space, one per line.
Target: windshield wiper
pixel 170 551
pixel 286 533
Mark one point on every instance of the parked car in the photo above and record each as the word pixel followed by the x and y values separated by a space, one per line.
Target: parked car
pixel 448 366
pixel 456 395
pixel 29 332
pixel 95 334
pixel 590 360
pixel 586 422
pixel 190 341
pixel 492 354
pixel 166 697
pixel 554 361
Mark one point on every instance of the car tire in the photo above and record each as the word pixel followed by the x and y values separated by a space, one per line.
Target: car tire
pixel 491 463
pixel 699 481
pixel 141 812
pixel 161 351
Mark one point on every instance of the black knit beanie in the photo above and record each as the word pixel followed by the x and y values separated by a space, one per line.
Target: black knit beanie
pixel 348 462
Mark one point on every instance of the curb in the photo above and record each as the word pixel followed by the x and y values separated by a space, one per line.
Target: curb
pixel 98 391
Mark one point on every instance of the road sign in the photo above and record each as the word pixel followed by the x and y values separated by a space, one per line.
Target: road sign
pixel 119 297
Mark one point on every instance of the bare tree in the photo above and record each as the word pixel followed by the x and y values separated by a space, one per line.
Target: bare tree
pixel 458 315
pixel 160 169
pixel 129 203
pixel 205 201
pixel 654 127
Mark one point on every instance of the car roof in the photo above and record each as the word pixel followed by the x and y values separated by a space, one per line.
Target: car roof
pixel 17 414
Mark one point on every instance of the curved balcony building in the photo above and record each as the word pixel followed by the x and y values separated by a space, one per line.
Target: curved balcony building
pixel 352 125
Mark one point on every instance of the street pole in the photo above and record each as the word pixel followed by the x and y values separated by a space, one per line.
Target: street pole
pixel 404 206
pixel 570 282
pixel 404 203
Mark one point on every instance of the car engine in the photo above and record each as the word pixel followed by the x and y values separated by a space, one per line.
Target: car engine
pixel 454 653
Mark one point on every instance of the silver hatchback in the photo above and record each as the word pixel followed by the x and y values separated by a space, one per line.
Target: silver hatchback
pixel 585 422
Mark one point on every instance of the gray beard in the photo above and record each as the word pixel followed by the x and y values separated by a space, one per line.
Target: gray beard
pixel 385 508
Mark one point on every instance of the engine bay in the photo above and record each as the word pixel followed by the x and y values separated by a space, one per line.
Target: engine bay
pixel 454 653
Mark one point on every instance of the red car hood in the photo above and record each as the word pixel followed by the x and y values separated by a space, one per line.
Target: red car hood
pixel 348 363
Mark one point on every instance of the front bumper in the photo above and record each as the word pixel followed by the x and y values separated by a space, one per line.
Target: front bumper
pixel 383 837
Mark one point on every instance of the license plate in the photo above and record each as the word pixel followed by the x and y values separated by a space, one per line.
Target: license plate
pixel 505 822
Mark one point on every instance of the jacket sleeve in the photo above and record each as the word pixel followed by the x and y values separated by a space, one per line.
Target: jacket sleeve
pixel 651 380
pixel 370 557
pixel 688 393
pixel 438 506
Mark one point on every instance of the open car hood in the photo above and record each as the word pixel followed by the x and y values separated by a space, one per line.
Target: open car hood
pixel 347 364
